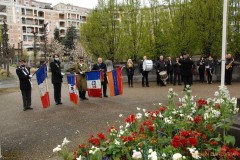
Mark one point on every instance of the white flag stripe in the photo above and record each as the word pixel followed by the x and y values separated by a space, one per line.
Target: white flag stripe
pixel 42 89
pixel 93 84
pixel 72 88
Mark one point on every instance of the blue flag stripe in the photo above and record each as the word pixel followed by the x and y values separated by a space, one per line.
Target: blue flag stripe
pixel 93 75
pixel 41 75
pixel 71 79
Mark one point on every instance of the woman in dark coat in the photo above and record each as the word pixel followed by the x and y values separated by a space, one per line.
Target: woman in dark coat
pixel 130 72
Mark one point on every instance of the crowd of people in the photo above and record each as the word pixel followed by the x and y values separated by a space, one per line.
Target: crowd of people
pixel 167 72
pixel 181 70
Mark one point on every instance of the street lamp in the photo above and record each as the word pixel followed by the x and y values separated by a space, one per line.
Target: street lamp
pixel 34 47
pixel 224 41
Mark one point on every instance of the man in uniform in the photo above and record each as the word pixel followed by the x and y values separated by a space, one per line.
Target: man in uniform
pixel 80 69
pixel 186 70
pixel 24 76
pixel 100 66
pixel 57 77
pixel 160 66
pixel 229 69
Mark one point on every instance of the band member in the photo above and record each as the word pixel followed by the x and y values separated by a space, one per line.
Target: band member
pixel 100 66
pixel 161 66
pixel 143 72
pixel 177 72
pixel 186 70
pixel 170 70
pixel 201 69
pixel 24 76
pixel 209 69
pixel 130 72
pixel 229 69
pixel 80 69
pixel 57 77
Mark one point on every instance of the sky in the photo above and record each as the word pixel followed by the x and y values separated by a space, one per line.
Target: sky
pixel 81 3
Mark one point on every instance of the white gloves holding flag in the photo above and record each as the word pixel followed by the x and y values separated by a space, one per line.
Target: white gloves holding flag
pixel 30 76
pixel 62 73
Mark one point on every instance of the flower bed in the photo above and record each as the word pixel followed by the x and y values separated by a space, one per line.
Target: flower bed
pixel 183 130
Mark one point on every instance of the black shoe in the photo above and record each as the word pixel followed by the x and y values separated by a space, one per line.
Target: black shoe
pixel 85 98
pixel 24 109
pixel 60 103
pixel 57 103
pixel 147 85
pixel 30 108
pixel 143 85
pixel 179 84
pixel 105 96
pixel 174 84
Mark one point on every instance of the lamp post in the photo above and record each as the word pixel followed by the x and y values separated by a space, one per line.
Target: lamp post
pixel 224 41
pixel 45 40
pixel 34 47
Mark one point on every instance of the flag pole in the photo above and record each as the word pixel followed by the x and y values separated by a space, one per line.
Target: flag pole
pixel 224 41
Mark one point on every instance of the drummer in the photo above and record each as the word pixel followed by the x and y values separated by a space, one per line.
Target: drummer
pixel 143 72
pixel 161 66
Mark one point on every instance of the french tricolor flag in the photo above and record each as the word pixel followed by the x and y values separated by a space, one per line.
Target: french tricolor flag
pixel 115 82
pixel 94 84
pixel 72 88
pixel 41 75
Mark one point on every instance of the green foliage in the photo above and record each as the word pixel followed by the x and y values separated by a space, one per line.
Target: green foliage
pixel 56 34
pixel 70 37
pixel 126 29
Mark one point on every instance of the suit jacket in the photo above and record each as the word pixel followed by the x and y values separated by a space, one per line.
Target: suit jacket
pixel 176 67
pixel 186 67
pixel 169 66
pixel 160 66
pixel 56 72
pixel 24 79
pixel 102 67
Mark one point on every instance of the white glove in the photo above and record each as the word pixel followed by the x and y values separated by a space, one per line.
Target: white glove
pixel 30 76
pixel 81 72
pixel 62 73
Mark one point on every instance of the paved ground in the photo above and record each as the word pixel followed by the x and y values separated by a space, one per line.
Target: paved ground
pixel 32 135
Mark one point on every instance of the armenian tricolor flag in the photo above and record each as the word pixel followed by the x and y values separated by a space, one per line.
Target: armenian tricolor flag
pixel 72 88
pixel 115 82
pixel 41 75
pixel 94 84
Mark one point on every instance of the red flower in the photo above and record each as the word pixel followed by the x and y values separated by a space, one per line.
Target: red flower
pixel 112 129
pixel 75 154
pixel 162 109
pixel 184 133
pixel 176 141
pixel 212 143
pixel 218 106
pixel 94 141
pixel 201 102
pixel 193 141
pixel 81 146
pixel 130 119
pixel 101 136
pixel 151 128
pixel 198 119
pixel 224 149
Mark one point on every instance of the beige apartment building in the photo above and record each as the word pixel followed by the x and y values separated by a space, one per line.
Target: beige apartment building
pixel 26 16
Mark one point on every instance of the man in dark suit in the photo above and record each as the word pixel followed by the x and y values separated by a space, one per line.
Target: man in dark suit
pixel 57 76
pixel 186 70
pixel 100 66
pixel 24 76
pixel 170 70
pixel 161 66
pixel 177 72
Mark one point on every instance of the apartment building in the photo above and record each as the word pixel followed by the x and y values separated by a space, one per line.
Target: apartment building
pixel 27 16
